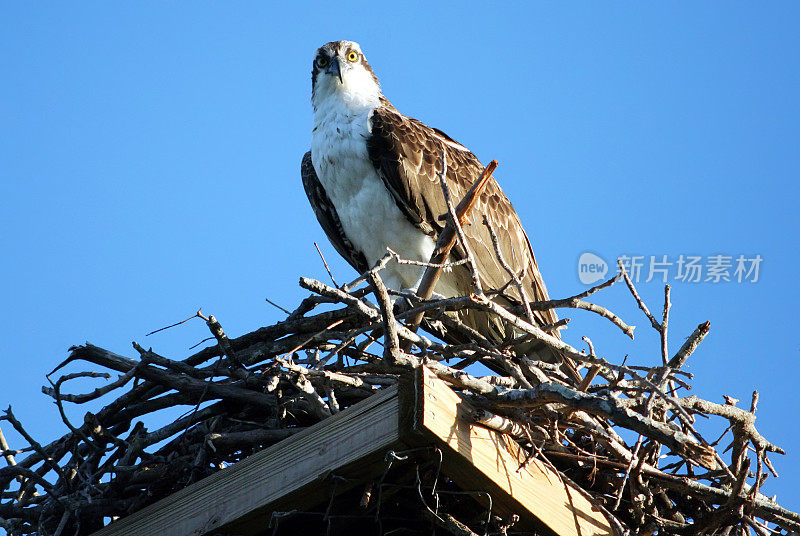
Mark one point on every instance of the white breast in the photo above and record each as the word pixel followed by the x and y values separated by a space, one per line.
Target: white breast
pixel 369 215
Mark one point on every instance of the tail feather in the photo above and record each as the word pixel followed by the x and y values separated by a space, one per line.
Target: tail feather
pixel 498 331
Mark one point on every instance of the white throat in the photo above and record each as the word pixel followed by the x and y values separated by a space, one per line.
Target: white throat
pixel 357 94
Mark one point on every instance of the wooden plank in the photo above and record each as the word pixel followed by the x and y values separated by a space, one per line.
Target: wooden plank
pixel 289 475
pixel 278 473
pixel 474 454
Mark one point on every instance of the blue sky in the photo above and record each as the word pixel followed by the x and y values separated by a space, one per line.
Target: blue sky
pixel 149 165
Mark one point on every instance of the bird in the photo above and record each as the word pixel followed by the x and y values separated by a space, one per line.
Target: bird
pixel 372 178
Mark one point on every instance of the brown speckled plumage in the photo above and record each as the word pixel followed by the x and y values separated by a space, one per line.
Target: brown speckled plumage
pixel 408 155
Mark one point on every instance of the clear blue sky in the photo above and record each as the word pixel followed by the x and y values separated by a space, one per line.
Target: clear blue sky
pixel 149 165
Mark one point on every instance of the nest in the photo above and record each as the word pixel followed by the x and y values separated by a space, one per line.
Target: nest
pixel 249 392
pixel 624 433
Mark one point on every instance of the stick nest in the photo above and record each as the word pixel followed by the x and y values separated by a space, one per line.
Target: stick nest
pixel 624 433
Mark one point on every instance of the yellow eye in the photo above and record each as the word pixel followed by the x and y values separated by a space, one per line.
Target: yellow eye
pixel 322 62
pixel 352 56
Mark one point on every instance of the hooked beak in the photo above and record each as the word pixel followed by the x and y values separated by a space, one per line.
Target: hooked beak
pixel 335 68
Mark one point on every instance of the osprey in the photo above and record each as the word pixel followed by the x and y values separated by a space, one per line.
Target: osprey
pixel 371 178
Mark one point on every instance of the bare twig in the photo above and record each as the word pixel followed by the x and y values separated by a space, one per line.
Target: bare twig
pixel 272 303
pixel 327 268
pixel 656 325
pixel 391 346
pixel 511 273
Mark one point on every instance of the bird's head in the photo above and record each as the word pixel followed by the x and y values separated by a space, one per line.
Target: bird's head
pixel 341 71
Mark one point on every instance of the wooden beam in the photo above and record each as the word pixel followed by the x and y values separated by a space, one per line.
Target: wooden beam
pixel 288 473
pixel 479 458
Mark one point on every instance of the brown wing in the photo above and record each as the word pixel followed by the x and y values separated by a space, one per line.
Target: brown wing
pixel 328 217
pixel 407 154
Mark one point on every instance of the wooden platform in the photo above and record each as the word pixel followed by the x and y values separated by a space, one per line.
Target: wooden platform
pixel 421 411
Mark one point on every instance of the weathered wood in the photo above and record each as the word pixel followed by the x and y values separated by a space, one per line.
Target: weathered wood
pixel 479 458
pixel 290 474
pixel 427 411
pixel 282 472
